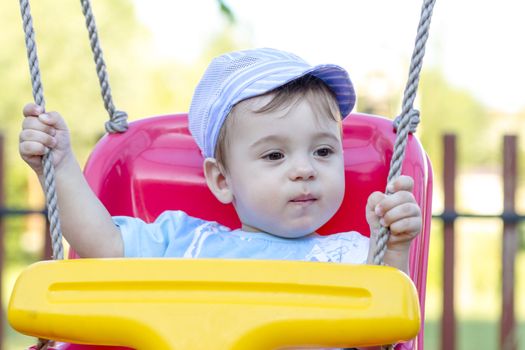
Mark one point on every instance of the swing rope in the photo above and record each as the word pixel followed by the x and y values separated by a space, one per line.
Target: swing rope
pixel 47 160
pixel 116 123
pixel 118 120
pixel 408 120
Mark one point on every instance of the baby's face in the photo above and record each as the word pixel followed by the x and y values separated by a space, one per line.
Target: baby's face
pixel 285 168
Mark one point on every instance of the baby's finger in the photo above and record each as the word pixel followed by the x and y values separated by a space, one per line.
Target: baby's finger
pixel 53 119
pixel 402 183
pixel 32 148
pixel 393 200
pixel 34 123
pixel 32 109
pixel 374 199
pixel 405 229
pixel 402 211
pixel 31 135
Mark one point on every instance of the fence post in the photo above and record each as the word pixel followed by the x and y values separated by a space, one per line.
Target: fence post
pixel 448 320
pixel 2 234
pixel 508 339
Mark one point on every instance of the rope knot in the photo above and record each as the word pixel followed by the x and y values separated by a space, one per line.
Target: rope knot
pixel 413 120
pixel 43 344
pixel 118 122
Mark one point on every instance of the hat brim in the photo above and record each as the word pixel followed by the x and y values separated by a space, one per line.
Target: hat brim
pixel 335 77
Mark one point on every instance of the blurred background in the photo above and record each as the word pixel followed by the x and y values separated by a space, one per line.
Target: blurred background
pixel 156 50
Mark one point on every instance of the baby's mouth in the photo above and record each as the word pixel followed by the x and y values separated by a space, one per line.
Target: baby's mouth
pixel 304 199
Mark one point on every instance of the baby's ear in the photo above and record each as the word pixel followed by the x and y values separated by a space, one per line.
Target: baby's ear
pixel 217 181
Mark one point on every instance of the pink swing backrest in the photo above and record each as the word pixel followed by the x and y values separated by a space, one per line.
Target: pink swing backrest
pixel 156 166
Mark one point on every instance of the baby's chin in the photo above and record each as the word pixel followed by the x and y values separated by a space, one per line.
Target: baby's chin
pixel 293 234
pixel 282 231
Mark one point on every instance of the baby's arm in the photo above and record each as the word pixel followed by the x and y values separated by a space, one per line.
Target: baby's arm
pixel 400 212
pixel 85 222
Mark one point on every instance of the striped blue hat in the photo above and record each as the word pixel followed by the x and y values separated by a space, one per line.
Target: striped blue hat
pixel 236 76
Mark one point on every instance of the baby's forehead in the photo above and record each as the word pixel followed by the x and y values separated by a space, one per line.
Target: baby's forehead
pixel 253 104
pixel 262 104
pixel 253 114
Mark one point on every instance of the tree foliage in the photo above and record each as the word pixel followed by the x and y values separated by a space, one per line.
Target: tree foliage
pixel 446 109
pixel 141 84
pixel 68 74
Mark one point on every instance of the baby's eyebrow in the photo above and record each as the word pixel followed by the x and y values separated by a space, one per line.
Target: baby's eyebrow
pixel 326 134
pixel 269 139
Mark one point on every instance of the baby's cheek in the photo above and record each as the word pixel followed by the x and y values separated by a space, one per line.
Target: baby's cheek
pixel 340 187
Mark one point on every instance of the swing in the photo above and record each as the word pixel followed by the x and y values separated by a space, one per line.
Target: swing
pixel 223 304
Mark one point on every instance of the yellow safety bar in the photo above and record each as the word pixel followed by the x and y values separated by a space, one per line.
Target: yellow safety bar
pixel 168 304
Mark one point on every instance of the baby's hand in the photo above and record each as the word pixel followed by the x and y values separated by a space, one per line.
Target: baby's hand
pixel 40 132
pixel 398 211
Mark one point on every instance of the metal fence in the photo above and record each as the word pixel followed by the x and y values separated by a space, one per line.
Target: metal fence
pixel 510 218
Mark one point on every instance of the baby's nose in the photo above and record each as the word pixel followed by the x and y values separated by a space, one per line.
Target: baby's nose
pixel 302 170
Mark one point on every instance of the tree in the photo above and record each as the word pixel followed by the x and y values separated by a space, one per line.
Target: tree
pixel 446 109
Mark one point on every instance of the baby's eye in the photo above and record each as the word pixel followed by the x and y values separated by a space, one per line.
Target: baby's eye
pixel 323 152
pixel 274 156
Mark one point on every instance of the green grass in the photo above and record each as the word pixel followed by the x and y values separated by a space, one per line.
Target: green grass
pixel 471 335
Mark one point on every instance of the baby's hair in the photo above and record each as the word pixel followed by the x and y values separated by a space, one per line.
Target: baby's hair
pixel 308 87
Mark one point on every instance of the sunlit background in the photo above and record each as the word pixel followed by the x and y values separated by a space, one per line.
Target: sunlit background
pixel 156 50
